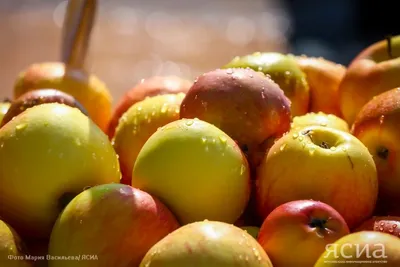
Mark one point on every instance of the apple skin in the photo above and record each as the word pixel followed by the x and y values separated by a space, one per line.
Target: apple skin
pixel 326 165
pixel 138 123
pixel 207 244
pixel 371 73
pixel 282 69
pixel 384 224
pixel 350 248
pixel 116 222
pixel 323 77
pixel 37 97
pixel 11 245
pixel 320 119
pixel 62 152
pixel 91 92
pixel 236 100
pixel 303 227
pixel 152 86
pixel 196 169
pixel 377 126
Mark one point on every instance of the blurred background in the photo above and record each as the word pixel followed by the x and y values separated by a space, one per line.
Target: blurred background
pixel 136 39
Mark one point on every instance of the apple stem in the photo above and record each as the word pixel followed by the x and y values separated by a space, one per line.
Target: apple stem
pixel 389 46
pixel 77 28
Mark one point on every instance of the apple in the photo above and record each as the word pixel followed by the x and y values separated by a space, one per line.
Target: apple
pixel 320 119
pixel 366 248
pixel 152 86
pixel 375 70
pixel 282 69
pixel 323 164
pixel 196 169
pixel 251 230
pixel 37 97
pixel 377 126
pixel 323 77
pixel 116 223
pixel 138 124
pixel 303 227
pixel 4 106
pixel 385 224
pixel 245 104
pixel 13 252
pixel 48 154
pixel 207 244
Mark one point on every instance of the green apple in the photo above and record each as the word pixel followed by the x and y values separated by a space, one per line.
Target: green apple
pixel 196 169
pixel 13 252
pixel 138 123
pixel 285 71
pixel 320 119
pixel 323 164
pixel 114 222
pixel 365 248
pixel 48 154
pixel 207 244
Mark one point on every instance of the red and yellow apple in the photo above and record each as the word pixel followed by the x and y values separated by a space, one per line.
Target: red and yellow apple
pixel 115 222
pixel 245 104
pixel 385 224
pixel 196 169
pixel 13 252
pixel 363 249
pixel 377 126
pixel 207 244
pixel 138 124
pixel 303 227
pixel 48 154
pixel 323 77
pixel 153 86
pixel 375 70
pixel 322 164
pixel 320 119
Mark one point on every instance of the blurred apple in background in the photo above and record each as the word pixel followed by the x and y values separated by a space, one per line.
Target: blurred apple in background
pixel 196 169
pixel 377 126
pixel 115 222
pixel 243 103
pixel 13 252
pixel 320 119
pixel 359 249
pixel 323 77
pixel 303 227
pixel 283 70
pixel 375 70
pixel 48 154
pixel 323 164
pixel 388 224
pixel 153 86
pixel 207 244
pixel 251 230
pixel 138 124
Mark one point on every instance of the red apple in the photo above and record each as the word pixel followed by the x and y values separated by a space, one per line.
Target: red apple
pixel 116 223
pixel 245 104
pixel 157 85
pixel 303 227
pixel 385 224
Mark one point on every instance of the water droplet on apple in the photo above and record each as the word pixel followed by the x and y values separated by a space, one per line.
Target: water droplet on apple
pixel 223 139
pixel 301 138
pixel 149 120
pixel 391 230
pixel 333 148
pixel 139 108
pixel 394 226
pixel 94 156
pixel 282 147
pixel 164 108
pixel 189 122
pixel 80 222
pixel 295 135
pixel 381 119
pixel 251 75
pixel 240 257
pixel 229 71
pixel 204 140
pixel 324 124
pixel 177 110
pixel 153 113
pixel 259 68
pixel 21 126
pixel 242 169
pixel 262 94
pixel 78 142
pixel 380 228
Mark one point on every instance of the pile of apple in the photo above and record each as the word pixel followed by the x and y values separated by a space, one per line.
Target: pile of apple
pixel 271 160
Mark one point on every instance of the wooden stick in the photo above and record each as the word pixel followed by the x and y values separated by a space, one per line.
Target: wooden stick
pixel 77 28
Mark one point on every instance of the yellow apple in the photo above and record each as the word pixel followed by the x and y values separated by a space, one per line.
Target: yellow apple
pixel 362 249
pixel 320 119
pixel 196 169
pixel 13 252
pixel 323 164
pixel 48 154
pixel 207 244
pixel 375 70
pixel 138 123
